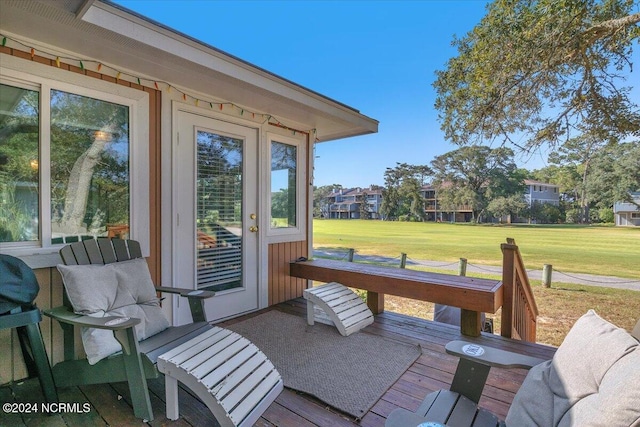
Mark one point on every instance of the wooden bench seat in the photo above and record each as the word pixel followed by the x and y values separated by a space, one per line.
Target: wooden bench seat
pixel 341 306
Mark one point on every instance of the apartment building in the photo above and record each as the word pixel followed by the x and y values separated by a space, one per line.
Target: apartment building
pixel 347 203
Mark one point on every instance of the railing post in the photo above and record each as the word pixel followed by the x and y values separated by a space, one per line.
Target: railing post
pixel 470 321
pixel 350 256
pixel 508 285
pixel 403 260
pixel 547 269
pixel 462 267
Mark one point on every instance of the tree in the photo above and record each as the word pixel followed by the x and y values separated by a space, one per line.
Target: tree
pixel 401 196
pixel 542 71
pixel 321 199
pixel 579 153
pixel 506 206
pixel 545 213
pixel 363 205
pixel 592 174
pixel 474 175
pixel 615 173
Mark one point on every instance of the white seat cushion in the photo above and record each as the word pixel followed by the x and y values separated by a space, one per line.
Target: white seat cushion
pixel 593 380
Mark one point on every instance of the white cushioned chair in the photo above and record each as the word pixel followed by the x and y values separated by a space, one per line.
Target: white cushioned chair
pixel 592 380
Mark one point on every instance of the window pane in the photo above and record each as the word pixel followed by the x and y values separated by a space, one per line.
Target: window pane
pixel 219 211
pixel 283 185
pixel 89 168
pixel 19 138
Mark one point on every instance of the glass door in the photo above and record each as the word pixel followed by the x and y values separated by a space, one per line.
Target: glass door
pixel 216 239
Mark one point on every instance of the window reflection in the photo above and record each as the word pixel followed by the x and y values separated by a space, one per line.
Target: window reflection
pixel 284 159
pixel 89 167
pixel 19 164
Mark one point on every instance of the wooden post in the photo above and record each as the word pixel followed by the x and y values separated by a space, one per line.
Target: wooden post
pixel 350 256
pixel 462 267
pixel 375 302
pixel 470 321
pixel 403 260
pixel 547 269
pixel 508 285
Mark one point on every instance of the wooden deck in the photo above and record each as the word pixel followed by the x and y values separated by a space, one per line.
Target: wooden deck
pixel 432 371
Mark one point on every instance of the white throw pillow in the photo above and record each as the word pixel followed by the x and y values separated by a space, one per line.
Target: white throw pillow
pixel 122 289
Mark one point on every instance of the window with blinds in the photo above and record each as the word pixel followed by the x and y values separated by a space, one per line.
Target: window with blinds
pixel 219 211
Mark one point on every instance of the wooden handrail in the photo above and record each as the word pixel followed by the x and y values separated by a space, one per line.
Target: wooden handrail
pixel 519 309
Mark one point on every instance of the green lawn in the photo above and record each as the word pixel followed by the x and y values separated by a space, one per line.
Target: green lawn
pixel 612 251
pixel 605 250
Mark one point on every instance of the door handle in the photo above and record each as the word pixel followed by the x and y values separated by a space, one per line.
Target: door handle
pixel 253 229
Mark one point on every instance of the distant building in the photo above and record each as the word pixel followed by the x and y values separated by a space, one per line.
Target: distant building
pixel 628 214
pixel 346 203
pixel 541 192
pixel 535 192
pixel 435 212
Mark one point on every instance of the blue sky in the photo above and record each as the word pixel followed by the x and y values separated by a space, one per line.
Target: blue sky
pixel 379 57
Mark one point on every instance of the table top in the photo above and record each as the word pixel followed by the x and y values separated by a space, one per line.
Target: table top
pixel 469 293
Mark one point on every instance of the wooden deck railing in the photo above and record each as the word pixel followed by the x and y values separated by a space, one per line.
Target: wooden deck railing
pixel 519 310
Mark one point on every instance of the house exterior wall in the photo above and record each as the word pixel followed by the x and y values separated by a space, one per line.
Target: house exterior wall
pixel 51 287
pixel 540 192
pixel 627 214
pixel 281 286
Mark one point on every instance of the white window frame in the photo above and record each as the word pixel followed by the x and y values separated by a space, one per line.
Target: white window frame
pixel 299 232
pixel 44 78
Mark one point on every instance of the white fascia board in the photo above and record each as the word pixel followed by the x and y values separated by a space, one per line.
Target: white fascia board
pixel 143 31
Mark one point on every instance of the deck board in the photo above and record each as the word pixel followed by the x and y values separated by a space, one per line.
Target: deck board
pixel 432 371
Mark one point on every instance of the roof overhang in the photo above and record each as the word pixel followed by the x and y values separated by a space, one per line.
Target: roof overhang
pixel 113 35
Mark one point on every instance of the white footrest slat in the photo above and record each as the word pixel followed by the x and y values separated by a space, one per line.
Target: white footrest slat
pixel 341 307
pixel 226 371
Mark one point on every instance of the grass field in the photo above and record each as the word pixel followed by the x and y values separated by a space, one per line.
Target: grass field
pixel 609 251
pixel 580 249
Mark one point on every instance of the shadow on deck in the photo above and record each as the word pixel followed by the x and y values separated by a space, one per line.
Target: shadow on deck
pixel 432 371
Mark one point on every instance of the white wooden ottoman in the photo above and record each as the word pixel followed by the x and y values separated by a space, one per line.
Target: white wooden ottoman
pixel 226 371
pixel 335 304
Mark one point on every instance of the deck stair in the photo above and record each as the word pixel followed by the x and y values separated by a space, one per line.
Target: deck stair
pixel 227 372
pixel 335 304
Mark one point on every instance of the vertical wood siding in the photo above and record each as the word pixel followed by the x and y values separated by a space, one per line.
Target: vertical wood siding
pixel 12 368
pixel 283 287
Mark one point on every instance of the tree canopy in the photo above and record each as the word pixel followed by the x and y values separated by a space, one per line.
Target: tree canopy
pixel 539 72
pixel 474 175
pixel 594 175
pixel 401 196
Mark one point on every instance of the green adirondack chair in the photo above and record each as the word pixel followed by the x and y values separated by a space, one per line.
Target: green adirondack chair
pixel 136 362
pixel 593 379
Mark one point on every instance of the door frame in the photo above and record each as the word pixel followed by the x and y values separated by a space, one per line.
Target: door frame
pixel 169 205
